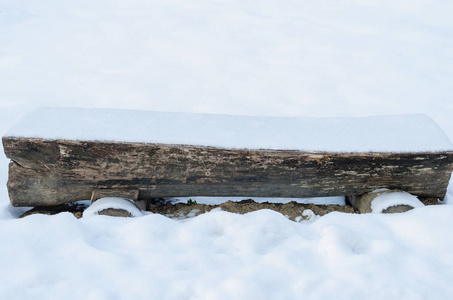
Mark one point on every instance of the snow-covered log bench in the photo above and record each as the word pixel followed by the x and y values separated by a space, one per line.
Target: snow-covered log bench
pixel 63 155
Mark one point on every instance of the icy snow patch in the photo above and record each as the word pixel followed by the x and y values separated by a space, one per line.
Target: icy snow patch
pixel 112 202
pixel 397 133
pixel 386 200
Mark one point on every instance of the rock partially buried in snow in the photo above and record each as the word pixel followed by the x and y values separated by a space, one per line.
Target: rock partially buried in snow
pixel 112 206
pixel 388 201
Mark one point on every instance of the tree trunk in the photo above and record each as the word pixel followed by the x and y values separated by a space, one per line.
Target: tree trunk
pixel 51 172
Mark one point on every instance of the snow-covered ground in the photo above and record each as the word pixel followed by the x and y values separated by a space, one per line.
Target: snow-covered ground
pixel 259 58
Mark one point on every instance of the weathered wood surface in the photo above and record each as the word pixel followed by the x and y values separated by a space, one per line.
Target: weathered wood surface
pixel 50 172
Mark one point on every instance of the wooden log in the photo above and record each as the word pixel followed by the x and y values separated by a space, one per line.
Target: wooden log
pixel 121 193
pixel 51 172
pixel 363 204
pixel 130 195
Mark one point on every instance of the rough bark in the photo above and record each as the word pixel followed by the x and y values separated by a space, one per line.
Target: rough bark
pixel 51 172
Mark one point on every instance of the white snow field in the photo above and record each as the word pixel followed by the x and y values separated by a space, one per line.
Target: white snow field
pixel 345 58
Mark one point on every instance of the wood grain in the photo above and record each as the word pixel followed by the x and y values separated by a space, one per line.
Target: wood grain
pixel 51 172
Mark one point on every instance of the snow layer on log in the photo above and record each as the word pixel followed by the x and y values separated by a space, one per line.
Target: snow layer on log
pixel 396 133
